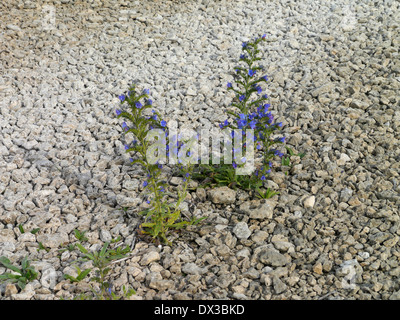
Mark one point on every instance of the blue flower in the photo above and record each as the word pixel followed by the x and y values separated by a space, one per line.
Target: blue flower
pixel 262 177
pixel 234 165
pixel 259 89
pixel 149 102
pixel 126 147
pixel 241 124
pixel 187 175
pixel 265 78
pixel 145 184
pixel 242 56
pixel 163 123
pixel 253 124
pixel 252 72
pixel 148 201
pixel 278 153
pixel 154 117
pixel 138 105
pixel 162 189
pixel 258 146
pixel 146 91
pixel 281 139
pixel 244 45
pixel 242 97
pixel 263 36
pixel 118 112
pixel 229 85
pixel 121 97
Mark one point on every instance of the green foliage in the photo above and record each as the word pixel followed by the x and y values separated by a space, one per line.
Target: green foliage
pixel 102 261
pixel 80 235
pixel 161 217
pixel 24 274
pixel 266 194
pixel 251 112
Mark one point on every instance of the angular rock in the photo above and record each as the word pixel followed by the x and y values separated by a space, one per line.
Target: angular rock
pixel 241 230
pixel 222 195
pixel 272 257
pixel 309 202
pixel 53 240
pixel 149 257
pixel 257 209
pixel 192 268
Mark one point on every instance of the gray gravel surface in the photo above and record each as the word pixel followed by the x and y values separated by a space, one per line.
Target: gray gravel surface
pixel 333 230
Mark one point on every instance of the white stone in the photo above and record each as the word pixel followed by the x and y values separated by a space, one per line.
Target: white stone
pixel 241 230
pixel 309 202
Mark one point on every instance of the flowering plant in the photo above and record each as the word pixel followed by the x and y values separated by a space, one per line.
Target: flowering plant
pixel 251 115
pixel 151 145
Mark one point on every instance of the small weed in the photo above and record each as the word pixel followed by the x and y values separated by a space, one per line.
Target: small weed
pixel 24 274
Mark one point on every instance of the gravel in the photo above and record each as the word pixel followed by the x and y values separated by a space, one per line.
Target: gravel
pixel 332 232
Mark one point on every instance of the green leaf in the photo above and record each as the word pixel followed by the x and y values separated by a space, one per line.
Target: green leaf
pixel 25 263
pixel 42 247
pixel 34 231
pixel 83 274
pixel 21 229
pixel 21 283
pixel 81 248
pixel 103 250
pixel 71 278
pixel 7 263
pixel 9 276
pixel 157 229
